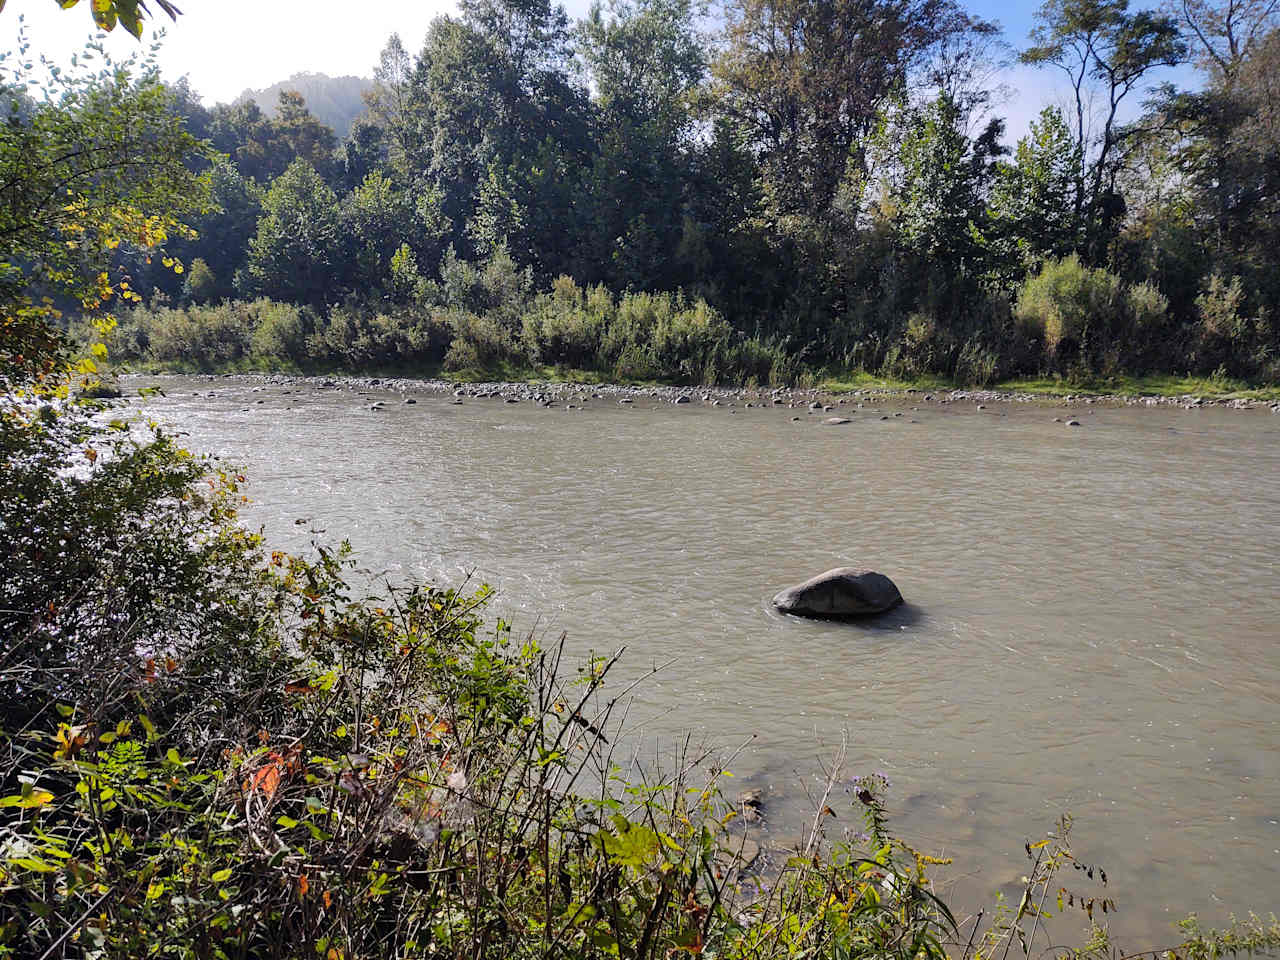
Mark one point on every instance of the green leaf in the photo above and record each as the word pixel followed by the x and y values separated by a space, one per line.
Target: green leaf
pixel 222 876
pixel 30 863
pixel 27 800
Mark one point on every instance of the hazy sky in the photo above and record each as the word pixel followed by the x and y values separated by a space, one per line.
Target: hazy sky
pixel 228 46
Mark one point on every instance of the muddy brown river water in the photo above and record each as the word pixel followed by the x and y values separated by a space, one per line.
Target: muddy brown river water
pixel 1092 620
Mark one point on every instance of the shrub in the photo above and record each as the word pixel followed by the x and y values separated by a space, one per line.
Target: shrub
pixel 279 333
pixel 567 326
pixel 1069 304
pixel 496 288
pixel 355 336
pixel 201 285
pixel 207 337
pixel 1078 311
pixel 1148 310
pixel 479 343
pixel 1227 337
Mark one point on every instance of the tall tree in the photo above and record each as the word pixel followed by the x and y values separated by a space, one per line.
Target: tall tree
pixel 99 163
pixel 392 108
pixel 1032 202
pixel 1106 52
pixel 807 80
pixel 644 60
pixel 942 199
pixel 295 253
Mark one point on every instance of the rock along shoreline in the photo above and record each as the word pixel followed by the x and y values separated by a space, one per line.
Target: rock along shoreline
pixel 552 393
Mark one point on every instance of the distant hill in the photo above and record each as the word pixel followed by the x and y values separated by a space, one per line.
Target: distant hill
pixel 335 101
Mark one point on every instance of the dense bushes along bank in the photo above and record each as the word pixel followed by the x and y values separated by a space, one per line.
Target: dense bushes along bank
pixel 1067 320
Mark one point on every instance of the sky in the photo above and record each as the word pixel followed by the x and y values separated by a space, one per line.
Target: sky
pixel 228 46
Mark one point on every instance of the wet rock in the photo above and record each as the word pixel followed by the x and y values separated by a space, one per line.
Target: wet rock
pixel 751 805
pixel 1073 423
pixel 626 400
pixel 681 399
pixel 410 400
pixel 839 593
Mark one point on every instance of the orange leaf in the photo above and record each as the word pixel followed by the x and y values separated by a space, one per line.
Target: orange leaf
pixel 266 780
pixel 303 885
pixel 328 899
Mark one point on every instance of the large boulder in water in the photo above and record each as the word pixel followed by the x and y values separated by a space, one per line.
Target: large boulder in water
pixel 842 592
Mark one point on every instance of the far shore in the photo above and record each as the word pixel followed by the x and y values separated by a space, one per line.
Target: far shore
pixel 830 393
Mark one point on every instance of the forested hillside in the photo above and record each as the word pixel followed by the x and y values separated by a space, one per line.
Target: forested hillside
pixel 822 184
pixel 335 101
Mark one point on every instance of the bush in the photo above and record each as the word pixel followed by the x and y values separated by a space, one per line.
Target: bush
pixel 355 336
pixel 201 285
pixel 567 326
pixel 279 333
pixel 206 337
pixel 1079 312
pixel 496 288
pixel 208 751
pixel 1227 338
pixel 480 343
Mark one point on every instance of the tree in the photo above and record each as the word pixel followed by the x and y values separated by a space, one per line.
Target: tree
pixel 942 199
pixel 99 163
pixel 1224 33
pixel 503 118
pixel 377 219
pixel 1105 51
pixel 1032 202
pixel 295 252
pixel 807 79
pixel 645 61
pixel 392 108
pixel 297 134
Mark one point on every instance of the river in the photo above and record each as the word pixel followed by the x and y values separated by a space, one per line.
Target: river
pixel 1092 620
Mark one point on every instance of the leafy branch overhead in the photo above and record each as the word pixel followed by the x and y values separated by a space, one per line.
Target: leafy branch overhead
pixel 129 14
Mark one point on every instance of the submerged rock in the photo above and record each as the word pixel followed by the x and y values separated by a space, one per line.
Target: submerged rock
pixel 836 421
pixel 838 593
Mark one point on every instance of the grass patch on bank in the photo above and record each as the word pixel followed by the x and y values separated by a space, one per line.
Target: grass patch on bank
pixel 1150 385
pixel 862 380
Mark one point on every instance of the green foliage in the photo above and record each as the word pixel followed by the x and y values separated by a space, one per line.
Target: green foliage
pixel 1079 312
pixel 129 14
pixel 1032 199
pixel 644 337
pixel 201 285
pixel 97 163
pixel 1228 339
pixel 295 252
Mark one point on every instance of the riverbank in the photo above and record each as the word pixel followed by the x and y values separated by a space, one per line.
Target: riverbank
pixel 827 395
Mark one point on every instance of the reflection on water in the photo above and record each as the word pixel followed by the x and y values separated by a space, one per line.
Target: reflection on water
pixel 1092 612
